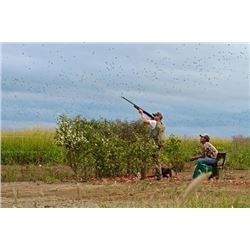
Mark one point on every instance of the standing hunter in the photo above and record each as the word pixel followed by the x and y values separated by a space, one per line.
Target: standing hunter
pixel 157 133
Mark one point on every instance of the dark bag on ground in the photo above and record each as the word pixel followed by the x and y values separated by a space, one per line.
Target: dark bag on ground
pixel 166 172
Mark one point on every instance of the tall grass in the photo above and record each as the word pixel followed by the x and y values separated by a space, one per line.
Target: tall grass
pixel 33 146
pixel 37 146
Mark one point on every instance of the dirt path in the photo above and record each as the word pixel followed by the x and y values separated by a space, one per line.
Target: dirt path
pixel 122 193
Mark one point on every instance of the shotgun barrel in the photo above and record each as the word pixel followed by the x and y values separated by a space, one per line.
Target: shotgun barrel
pixel 137 107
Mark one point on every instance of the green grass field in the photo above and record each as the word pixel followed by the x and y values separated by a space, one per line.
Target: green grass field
pixel 37 146
pixel 33 146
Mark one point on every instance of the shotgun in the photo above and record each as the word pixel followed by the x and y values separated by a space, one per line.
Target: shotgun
pixel 137 107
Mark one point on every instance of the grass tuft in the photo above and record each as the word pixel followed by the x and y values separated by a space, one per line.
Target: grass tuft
pixel 194 185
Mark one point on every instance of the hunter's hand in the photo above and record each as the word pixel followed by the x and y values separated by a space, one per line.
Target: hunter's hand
pixel 141 111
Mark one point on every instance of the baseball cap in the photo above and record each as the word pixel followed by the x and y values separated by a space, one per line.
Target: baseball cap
pixel 158 114
pixel 206 136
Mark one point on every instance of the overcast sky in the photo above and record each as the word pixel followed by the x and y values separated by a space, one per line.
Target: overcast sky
pixel 198 87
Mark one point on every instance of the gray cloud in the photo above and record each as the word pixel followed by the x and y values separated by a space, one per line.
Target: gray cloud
pixel 195 85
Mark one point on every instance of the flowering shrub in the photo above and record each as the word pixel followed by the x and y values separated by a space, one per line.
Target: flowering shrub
pixel 104 148
pixel 75 135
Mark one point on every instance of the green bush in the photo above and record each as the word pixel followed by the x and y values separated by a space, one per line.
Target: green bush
pixel 104 148
pixel 174 154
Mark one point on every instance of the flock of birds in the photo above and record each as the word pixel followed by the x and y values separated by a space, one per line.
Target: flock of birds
pixel 91 73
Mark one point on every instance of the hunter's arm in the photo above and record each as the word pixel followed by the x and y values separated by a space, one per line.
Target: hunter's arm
pixel 197 157
pixel 202 155
pixel 144 120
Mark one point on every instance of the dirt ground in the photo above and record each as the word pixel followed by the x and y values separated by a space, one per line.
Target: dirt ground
pixel 231 190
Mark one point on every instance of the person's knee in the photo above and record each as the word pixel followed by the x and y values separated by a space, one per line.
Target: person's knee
pixel 199 161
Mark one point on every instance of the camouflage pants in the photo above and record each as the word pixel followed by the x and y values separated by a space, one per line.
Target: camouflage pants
pixel 156 158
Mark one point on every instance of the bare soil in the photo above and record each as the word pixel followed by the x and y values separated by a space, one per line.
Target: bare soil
pixel 231 190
